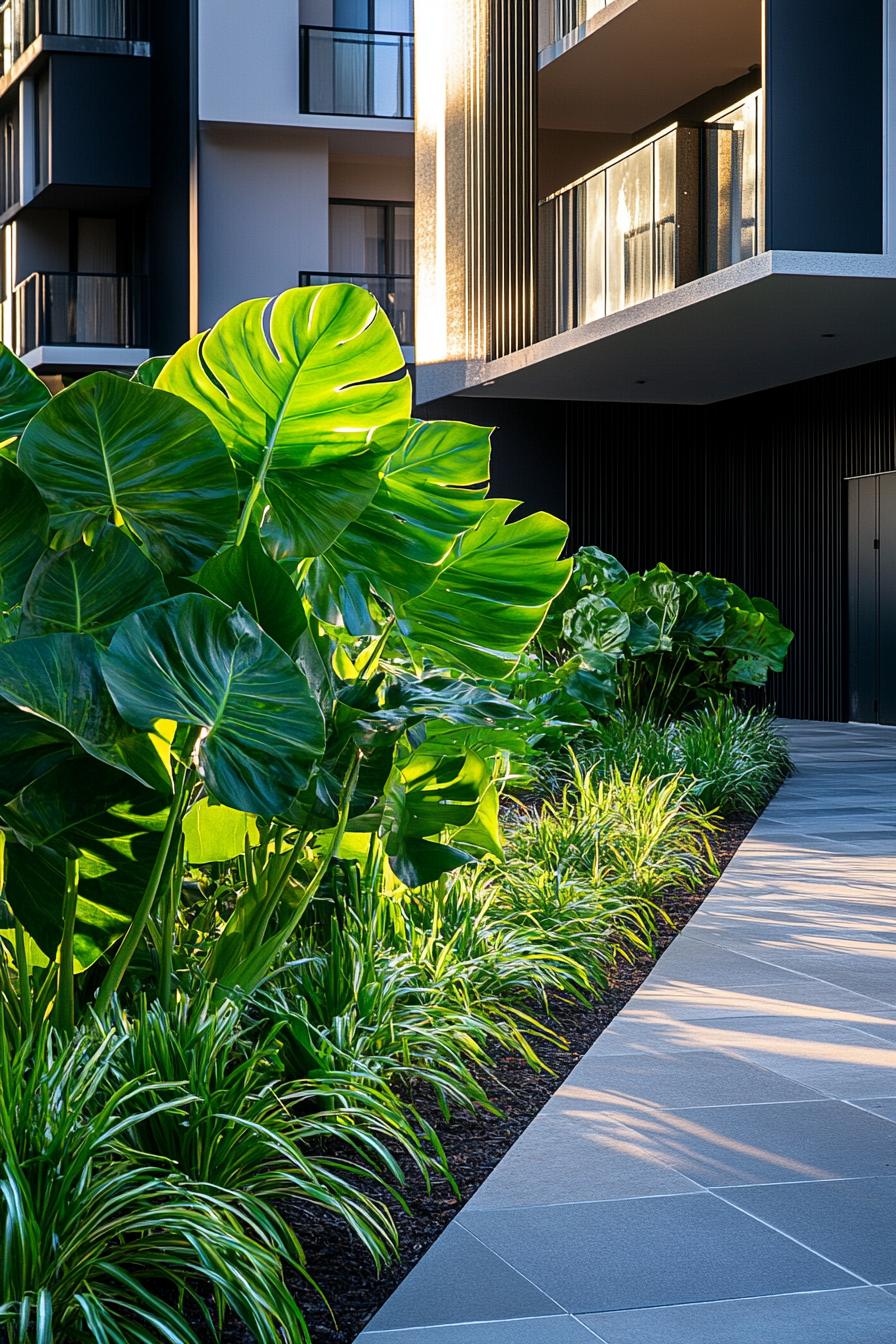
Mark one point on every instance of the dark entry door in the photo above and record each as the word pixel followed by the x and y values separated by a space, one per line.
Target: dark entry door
pixel 872 598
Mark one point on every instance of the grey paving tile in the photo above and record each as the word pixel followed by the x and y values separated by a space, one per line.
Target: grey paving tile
pixel 566 1155
pixel 844 1316
pixel 628 1253
pixel 758 1040
pixel 460 1280
pixel 543 1330
pixel 746 1145
pixel 885 1107
pixel 697 1078
pixel 798 994
pixel 851 1222
pixel 872 972
pixel 712 966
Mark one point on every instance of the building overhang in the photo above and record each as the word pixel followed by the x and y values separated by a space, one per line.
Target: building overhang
pixel 777 318
pixel 45 359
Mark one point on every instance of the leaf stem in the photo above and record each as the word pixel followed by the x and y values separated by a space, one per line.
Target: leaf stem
pixel 65 985
pixel 160 869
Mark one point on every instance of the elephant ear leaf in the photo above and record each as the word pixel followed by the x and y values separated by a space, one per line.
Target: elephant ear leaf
pixel 247 575
pixel 80 809
pixel 299 388
pixel 57 679
pixel 148 372
pixel 22 394
pixel 110 451
pixel 491 596
pixel 89 589
pixel 24 525
pixel 193 660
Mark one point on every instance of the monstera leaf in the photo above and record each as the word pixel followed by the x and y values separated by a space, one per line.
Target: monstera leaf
pixel 85 810
pixel 491 596
pixel 110 451
pixel 23 532
pixel 299 387
pixel 89 589
pixel 148 372
pixel 431 492
pixel 247 575
pixel 57 679
pixel 431 796
pixel 21 396
pixel 193 660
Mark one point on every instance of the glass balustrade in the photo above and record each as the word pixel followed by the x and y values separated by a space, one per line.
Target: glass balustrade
pixel 680 205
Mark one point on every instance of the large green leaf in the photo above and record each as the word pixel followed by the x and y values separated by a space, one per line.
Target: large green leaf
pixel 80 809
pixel 432 490
pixel 23 532
pixel 21 395
pixel 299 387
pixel 431 796
pixel 596 624
pixel 491 597
pixel 90 588
pixel 108 450
pixel 57 679
pixel 193 660
pixel 247 575
pixel 215 834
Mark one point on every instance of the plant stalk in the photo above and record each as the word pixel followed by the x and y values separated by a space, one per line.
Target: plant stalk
pixel 65 984
pixel 160 871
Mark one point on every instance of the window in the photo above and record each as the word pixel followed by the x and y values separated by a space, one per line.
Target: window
pixel 371 237
pixel 375 16
pixel 9 167
pixel 42 130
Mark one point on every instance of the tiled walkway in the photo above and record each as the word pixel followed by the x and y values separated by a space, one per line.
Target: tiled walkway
pixel 721 1166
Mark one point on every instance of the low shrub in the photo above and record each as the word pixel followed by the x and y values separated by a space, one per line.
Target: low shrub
pixel 732 760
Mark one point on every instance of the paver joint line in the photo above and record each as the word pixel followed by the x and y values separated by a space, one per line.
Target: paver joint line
pixel 777 1127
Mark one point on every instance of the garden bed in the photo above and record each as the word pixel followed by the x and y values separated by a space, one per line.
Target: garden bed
pixel 475 1142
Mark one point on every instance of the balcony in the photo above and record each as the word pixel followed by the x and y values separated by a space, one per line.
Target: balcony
pixel 679 206
pixel 24 21
pixel 348 72
pixel 59 308
pixel 394 294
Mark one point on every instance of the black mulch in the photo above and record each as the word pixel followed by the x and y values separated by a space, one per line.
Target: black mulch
pixel 474 1143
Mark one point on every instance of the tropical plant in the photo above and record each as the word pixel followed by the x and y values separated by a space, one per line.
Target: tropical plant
pixel 223 584
pixel 732 759
pixel 104 1244
pixel 658 642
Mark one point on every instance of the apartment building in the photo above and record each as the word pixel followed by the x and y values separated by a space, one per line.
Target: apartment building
pixel 162 160
pixel 656 245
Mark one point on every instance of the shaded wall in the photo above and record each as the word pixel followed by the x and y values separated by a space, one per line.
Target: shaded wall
pixel 751 489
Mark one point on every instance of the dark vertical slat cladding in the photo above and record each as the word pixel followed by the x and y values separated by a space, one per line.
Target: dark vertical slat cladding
pixel 172 151
pixel 754 489
pixel 511 175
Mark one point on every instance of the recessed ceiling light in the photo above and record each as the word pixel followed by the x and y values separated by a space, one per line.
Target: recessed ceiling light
pixel 640 381
pixel 828 335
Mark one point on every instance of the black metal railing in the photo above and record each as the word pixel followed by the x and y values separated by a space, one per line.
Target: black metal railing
pixel 23 21
pixel 68 308
pixel 350 72
pixel 394 294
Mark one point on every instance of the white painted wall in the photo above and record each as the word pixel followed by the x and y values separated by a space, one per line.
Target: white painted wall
pixel 263 212
pixel 249 61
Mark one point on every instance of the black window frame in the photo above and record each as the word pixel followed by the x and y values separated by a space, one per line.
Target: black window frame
pixel 389 230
